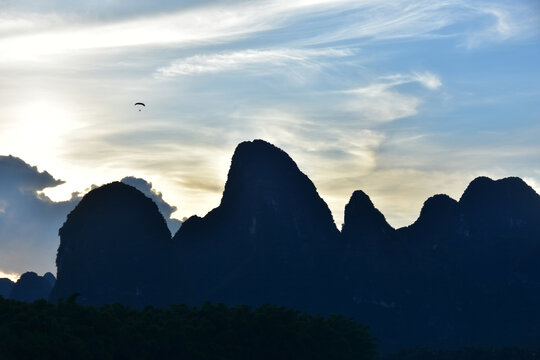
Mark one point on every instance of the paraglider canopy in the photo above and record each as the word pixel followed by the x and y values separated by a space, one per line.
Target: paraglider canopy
pixel 139 104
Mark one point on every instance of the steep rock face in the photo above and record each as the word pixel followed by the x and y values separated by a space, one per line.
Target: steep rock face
pixel 271 239
pixel 115 247
pixel 30 287
pixel 5 287
pixel 369 248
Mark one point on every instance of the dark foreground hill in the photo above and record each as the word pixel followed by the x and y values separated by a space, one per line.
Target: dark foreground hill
pixel 41 330
pixel 466 273
pixel 115 246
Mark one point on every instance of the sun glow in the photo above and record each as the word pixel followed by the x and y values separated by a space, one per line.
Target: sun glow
pixel 43 123
pixel 11 276
pixel 34 130
pixel 37 131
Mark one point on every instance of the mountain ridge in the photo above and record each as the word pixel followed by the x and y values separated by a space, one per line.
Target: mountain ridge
pixel 272 239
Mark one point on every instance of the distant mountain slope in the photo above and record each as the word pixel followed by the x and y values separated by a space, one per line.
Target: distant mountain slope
pixel 5 287
pixel 31 286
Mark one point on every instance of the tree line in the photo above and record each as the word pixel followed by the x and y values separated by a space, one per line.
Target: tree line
pixel 67 330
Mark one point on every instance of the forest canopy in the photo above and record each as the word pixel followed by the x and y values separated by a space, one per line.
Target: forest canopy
pixel 68 330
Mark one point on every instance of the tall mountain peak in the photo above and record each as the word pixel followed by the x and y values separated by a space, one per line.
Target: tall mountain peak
pixel 261 169
pixel 270 231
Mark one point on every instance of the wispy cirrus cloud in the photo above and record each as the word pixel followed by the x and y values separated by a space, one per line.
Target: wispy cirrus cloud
pixel 382 102
pixel 504 22
pixel 398 20
pixel 427 79
pixel 230 61
pixel 26 36
pixel 187 27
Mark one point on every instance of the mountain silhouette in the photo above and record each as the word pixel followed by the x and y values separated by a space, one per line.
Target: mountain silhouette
pixel 465 273
pixel 5 287
pixel 31 286
pixel 50 278
pixel 363 221
pixel 115 247
pixel 271 239
pixel 441 280
pixel 506 207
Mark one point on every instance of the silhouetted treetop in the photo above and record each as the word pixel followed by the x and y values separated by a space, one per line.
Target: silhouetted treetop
pixel 70 331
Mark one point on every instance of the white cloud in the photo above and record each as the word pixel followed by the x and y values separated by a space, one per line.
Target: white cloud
pixel 224 22
pixel 228 61
pixel 504 22
pixel 182 28
pixel 21 23
pixel 429 80
pixel 380 101
pixel 377 102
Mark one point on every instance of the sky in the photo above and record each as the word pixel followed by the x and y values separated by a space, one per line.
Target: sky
pixel 402 99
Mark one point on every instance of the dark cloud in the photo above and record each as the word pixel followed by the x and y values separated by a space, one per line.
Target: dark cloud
pixel 16 174
pixel 29 220
pixel 166 210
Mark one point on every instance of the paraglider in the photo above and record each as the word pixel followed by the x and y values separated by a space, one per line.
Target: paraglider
pixel 139 104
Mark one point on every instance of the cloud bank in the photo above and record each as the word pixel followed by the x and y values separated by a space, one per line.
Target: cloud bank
pixel 29 220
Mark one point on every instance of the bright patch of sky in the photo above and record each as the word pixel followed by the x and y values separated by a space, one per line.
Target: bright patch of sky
pixel 402 99
pixel 11 276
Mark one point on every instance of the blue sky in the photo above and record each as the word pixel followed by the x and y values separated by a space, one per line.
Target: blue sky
pixel 401 99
